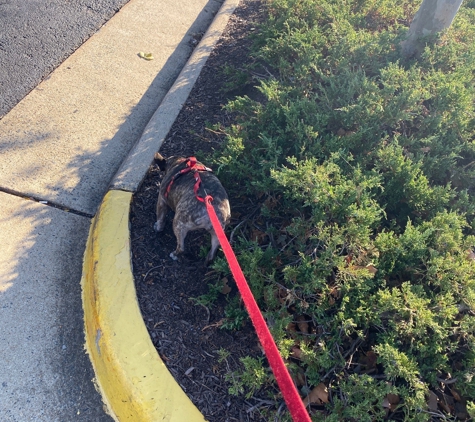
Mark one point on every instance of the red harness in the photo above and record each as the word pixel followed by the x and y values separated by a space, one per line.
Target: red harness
pixel 191 166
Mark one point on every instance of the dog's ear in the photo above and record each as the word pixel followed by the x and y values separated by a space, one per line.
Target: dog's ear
pixel 160 161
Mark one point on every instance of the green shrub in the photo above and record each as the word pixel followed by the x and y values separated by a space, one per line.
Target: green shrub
pixel 253 376
pixel 362 166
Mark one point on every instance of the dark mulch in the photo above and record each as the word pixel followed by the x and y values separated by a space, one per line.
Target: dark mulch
pixel 188 335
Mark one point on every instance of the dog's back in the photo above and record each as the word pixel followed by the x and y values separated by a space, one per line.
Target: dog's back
pixel 177 192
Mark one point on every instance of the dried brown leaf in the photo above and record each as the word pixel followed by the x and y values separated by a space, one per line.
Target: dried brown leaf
pixel 292 328
pixel 298 377
pixel 335 292
pixel 455 394
pixel 281 295
pixel 432 402
pixel 391 401
pixel 371 359
pixel 302 324
pixel 446 402
pixel 394 399
pixel 258 235
pixel 445 407
pixel 372 269
pixel 225 289
pixel 461 412
pixel 318 395
pixel 296 352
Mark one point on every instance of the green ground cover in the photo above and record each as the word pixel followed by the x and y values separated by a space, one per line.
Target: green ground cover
pixel 361 166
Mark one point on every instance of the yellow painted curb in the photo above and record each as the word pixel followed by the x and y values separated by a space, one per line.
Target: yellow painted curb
pixel 134 382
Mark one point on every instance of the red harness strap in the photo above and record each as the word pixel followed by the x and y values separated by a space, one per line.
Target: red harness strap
pixel 191 166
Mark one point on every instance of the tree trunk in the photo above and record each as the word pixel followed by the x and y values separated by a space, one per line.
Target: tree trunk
pixel 432 17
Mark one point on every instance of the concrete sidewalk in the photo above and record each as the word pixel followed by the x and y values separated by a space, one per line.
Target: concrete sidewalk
pixel 62 145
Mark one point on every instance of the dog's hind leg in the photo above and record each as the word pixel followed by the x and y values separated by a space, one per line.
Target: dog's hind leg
pixel 181 230
pixel 214 247
pixel 162 209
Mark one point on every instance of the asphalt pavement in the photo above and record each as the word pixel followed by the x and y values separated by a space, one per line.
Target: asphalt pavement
pixel 37 36
pixel 60 146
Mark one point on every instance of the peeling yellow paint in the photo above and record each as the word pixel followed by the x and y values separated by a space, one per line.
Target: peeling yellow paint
pixel 134 382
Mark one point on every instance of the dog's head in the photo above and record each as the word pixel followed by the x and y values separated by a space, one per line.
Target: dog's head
pixel 169 163
pixel 160 161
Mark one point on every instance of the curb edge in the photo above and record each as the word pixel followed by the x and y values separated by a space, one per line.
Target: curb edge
pixel 135 166
pixel 134 383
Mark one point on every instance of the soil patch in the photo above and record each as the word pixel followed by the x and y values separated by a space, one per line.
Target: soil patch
pixel 186 334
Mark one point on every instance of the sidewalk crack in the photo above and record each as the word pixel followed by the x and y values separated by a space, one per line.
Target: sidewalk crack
pixel 45 202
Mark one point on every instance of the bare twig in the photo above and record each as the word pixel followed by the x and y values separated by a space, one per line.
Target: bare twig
pixel 448 382
pixel 279 411
pixel 151 269
pixel 436 414
pixel 231 237
pixel 260 403
pixel 248 217
pixel 207 312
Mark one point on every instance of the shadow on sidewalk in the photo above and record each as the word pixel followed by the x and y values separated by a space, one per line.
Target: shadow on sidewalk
pixel 45 374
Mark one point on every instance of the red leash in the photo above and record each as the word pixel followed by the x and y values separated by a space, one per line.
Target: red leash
pixel 286 385
pixel 282 376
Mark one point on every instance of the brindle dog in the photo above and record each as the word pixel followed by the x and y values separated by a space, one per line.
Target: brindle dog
pixel 177 192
